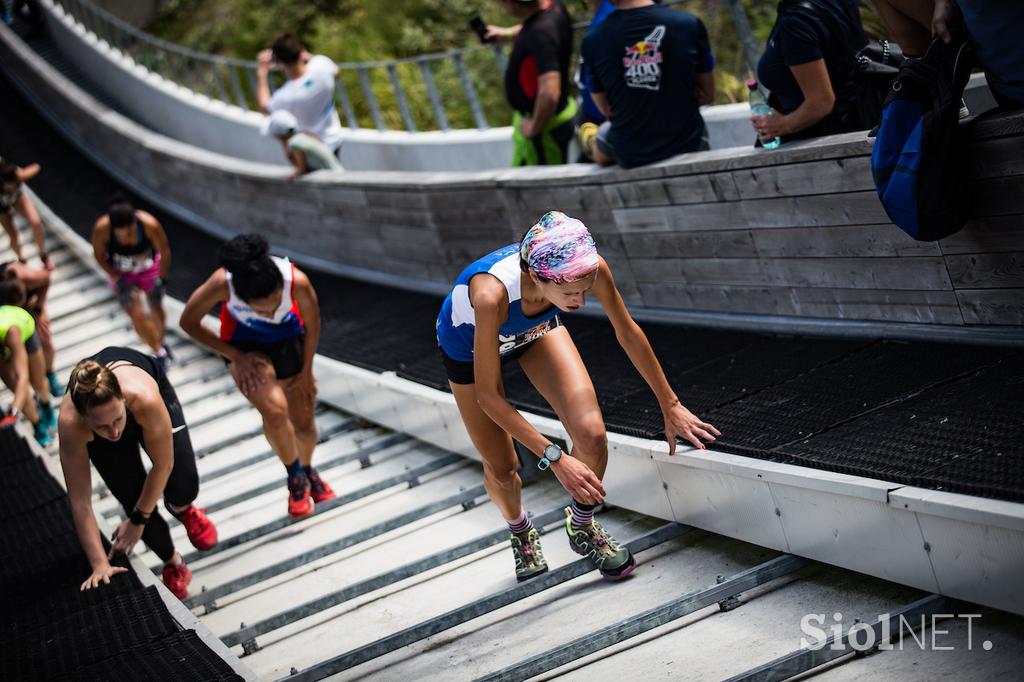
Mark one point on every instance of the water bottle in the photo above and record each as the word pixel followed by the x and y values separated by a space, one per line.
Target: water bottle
pixel 759 107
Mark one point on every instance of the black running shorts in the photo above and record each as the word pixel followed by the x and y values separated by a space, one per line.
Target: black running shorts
pixel 286 355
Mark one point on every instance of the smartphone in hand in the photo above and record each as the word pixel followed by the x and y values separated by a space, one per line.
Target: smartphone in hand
pixel 478 25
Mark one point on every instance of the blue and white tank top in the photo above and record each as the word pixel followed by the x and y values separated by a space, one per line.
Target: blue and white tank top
pixel 456 324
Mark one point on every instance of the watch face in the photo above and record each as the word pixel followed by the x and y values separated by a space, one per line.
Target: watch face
pixel 553 452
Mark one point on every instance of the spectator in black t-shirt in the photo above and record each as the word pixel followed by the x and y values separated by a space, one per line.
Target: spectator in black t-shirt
pixel 651 68
pixel 537 81
pixel 808 67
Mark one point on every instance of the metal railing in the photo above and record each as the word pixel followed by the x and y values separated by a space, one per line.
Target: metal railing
pixel 376 92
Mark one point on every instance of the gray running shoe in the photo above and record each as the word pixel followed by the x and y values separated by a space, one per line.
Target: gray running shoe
pixel 612 559
pixel 529 556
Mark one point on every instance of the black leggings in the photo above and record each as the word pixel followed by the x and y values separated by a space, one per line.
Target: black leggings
pixel 120 466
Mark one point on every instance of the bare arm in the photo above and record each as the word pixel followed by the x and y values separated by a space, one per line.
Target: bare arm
pixel 706 87
pixel 27 208
pixel 309 308
pixel 601 100
pixel 211 292
pixel 631 337
pixel 28 172
pixel 156 234
pixel 7 220
pixel 678 420
pixel 943 16
pixel 549 90
pixel 499 34
pixel 490 303
pixel 74 460
pixel 100 240
pixel 263 64
pixel 819 100
pixel 151 415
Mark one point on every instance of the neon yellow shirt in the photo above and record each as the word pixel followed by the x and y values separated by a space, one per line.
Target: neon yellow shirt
pixel 11 315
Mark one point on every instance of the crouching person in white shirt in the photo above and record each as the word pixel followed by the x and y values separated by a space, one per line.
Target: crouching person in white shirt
pixel 309 93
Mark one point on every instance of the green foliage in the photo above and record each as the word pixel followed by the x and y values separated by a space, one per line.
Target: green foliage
pixel 379 30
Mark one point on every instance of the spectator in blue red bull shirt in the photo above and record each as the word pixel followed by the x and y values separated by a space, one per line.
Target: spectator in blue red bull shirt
pixel 651 67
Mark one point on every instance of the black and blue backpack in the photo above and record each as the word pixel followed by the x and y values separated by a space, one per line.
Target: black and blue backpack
pixel 919 161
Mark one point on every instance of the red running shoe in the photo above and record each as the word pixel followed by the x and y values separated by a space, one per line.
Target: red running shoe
pixel 177 578
pixel 201 531
pixel 320 490
pixel 300 503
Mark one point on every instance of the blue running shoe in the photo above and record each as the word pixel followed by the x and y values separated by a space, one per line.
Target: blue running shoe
pixel 47 416
pixel 56 389
pixel 42 434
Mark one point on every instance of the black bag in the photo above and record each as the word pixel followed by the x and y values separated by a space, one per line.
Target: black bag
pixel 877 64
pixel 919 160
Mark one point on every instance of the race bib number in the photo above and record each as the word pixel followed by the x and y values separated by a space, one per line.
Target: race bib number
pixel 131 264
pixel 509 342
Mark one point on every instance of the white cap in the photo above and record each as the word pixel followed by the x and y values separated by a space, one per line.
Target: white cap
pixel 279 123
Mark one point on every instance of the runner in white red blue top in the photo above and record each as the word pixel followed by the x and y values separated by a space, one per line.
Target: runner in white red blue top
pixel 505 306
pixel 239 322
pixel 269 330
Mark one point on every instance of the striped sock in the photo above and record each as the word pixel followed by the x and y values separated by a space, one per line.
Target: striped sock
pixel 582 514
pixel 520 525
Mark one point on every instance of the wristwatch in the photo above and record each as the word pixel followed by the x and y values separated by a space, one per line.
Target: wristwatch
pixel 552 453
pixel 138 518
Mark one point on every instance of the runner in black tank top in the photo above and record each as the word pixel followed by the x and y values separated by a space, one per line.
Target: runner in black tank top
pixel 122 256
pixel 118 401
pixel 132 249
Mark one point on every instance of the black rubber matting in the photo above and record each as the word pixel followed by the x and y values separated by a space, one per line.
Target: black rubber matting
pixel 179 657
pixel 769 394
pixel 49 629
pixel 963 436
